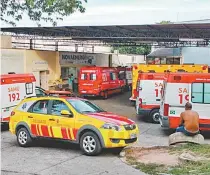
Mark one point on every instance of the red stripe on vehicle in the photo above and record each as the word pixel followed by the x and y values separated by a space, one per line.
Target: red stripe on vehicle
pixel 51 131
pixel 69 133
pixel 38 131
pixel 6 119
pixel 75 133
pixel 33 129
pixel 64 133
pixel 150 106
pixel 45 131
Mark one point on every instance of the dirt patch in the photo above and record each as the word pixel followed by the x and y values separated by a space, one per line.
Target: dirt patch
pixel 158 155
pixel 190 159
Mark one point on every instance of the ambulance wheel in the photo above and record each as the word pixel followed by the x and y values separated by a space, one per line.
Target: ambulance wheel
pixel 105 95
pixel 154 116
pixel 23 137
pixel 90 144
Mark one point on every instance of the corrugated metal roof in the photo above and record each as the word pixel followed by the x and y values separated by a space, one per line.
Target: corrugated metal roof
pixel 156 32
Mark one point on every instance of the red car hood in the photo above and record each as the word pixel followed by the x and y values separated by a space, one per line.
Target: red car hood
pixel 111 118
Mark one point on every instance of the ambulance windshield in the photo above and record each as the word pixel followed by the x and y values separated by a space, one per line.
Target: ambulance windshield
pixel 84 106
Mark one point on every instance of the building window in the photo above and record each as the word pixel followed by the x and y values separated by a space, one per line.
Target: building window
pixel 201 93
pixel 92 76
pixel 29 88
pixel 64 72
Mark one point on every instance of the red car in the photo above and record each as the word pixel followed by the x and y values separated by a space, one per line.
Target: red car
pixel 100 81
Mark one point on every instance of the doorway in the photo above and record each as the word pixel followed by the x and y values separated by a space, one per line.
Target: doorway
pixel 43 80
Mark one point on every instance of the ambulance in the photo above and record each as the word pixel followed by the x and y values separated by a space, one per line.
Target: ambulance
pixel 100 81
pixel 14 88
pixel 179 88
pixel 161 69
pixel 125 73
pixel 149 88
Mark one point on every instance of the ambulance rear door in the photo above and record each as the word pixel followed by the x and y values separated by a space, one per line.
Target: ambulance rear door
pixel 12 94
pixel 176 96
pixel 200 99
pixel 150 92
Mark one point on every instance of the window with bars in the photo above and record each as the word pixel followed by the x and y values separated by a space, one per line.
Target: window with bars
pixel 29 88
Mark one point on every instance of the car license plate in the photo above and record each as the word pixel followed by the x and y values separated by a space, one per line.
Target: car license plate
pixel 133 136
pixel 84 91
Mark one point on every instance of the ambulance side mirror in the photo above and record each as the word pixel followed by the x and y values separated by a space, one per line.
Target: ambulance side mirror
pixel 66 113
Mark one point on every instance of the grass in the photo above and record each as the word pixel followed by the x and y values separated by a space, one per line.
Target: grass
pixel 187 168
pixel 203 150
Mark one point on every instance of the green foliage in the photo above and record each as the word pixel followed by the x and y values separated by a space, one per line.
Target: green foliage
pixel 39 10
pixel 139 50
pixel 165 22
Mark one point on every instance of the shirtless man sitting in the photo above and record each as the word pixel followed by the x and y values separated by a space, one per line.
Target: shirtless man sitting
pixel 189 121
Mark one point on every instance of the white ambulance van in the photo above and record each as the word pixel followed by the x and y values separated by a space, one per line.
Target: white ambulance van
pixel 14 88
pixel 180 88
pixel 149 88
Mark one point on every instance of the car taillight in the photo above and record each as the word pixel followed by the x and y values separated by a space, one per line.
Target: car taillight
pixel 140 102
pixel 166 108
pixel 12 113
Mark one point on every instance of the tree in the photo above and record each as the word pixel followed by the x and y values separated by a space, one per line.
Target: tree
pixel 139 50
pixel 165 22
pixel 39 10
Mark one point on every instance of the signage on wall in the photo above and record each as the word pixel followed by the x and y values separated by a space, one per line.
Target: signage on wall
pixel 40 65
pixel 77 58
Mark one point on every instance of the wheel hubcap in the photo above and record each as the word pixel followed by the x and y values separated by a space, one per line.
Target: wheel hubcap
pixel 22 137
pixel 156 117
pixel 89 144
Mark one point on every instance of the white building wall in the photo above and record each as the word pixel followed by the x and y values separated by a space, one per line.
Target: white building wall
pixel 196 55
pixel 127 60
pixel 102 60
pixel 12 60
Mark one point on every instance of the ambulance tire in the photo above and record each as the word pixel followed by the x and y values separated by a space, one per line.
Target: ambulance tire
pixel 94 141
pixel 153 116
pixel 23 137
pixel 105 95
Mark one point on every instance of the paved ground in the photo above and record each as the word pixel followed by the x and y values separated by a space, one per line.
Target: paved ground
pixel 48 157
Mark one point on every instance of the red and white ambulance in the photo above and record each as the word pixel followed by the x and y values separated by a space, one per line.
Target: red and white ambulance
pixel 100 81
pixel 14 88
pixel 125 73
pixel 180 88
pixel 149 88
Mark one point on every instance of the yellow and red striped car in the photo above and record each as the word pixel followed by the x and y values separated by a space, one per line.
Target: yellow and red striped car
pixel 74 119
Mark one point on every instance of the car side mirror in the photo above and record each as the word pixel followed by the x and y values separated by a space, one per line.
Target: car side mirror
pixel 66 113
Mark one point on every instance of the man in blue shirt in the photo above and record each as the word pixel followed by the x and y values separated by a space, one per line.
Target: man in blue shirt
pixel 70 81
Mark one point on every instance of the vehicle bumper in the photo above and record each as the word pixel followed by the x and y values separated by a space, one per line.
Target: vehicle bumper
pixel 90 93
pixel 164 122
pixel 143 112
pixel 114 139
pixel 132 99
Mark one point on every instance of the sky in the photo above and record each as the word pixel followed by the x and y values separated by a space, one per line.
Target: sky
pixel 127 12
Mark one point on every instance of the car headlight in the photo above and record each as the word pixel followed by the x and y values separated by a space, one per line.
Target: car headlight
pixel 111 126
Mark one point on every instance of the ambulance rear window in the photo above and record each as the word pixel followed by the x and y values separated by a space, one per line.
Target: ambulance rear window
pixel 92 76
pixel 29 88
pixel 83 76
pixel 201 93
